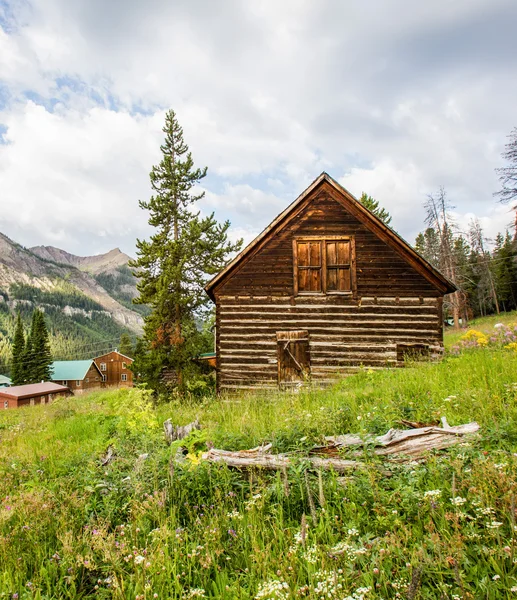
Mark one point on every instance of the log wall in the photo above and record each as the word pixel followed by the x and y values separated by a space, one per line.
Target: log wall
pixel 342 338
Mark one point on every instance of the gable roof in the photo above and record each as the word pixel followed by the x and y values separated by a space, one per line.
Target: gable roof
pixel 32 389
pixel 114 352
pixel 351 204
pixel 70 370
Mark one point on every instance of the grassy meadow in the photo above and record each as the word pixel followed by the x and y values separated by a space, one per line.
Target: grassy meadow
pixel 146 526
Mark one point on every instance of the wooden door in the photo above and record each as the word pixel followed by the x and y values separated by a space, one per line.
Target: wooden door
pixel 294 365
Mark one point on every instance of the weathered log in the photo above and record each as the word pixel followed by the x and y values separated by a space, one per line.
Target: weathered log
pixel 178 432
pixel 407 443
pixel 396 446
pixel 245 459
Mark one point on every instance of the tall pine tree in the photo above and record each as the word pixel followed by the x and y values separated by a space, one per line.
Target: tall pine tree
pixel 42 358
pixel 18 351
pixel 175 264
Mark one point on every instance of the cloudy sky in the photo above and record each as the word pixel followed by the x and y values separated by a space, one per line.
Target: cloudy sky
pixel 391 97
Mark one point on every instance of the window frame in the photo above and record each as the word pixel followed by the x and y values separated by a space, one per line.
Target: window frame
pixel 324 239
pixel 123 377
pixel 102 366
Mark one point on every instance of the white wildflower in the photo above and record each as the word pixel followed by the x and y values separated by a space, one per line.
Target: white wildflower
pixel 311 555
pixel 139 559
pixel 432 494
pixel 235 514
pixel 273 590
pixel 458 501
pixel 194 593
pixel 493 525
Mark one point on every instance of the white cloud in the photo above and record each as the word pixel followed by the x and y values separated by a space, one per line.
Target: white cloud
pixel 390 100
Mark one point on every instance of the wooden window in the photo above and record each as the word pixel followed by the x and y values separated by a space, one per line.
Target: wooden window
pixel 104 378
pixel 324 265
pixel 123 365
pixel 124 377
pixel 6 404
pixel 78 383
pixel 103 366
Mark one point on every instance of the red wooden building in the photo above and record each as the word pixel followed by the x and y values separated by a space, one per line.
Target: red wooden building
pixel 114 368
pixel 326 288
pixel 31 394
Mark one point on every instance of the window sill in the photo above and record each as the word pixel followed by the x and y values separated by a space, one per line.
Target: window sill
pixel 324 294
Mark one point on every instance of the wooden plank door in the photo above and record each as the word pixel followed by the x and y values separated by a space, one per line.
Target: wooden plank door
pixel 294 365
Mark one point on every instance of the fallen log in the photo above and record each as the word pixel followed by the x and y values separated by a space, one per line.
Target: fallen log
pixel 396 446
pixel 405 443
pixel 178 432
pixel 245 459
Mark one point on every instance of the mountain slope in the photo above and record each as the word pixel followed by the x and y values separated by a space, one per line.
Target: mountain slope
pixel 87 300
pixel 44 266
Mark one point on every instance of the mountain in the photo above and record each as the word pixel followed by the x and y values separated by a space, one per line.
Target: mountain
pixel 87 299
pixel 100 263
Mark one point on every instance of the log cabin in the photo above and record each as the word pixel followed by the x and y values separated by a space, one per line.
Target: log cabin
pixel 326 289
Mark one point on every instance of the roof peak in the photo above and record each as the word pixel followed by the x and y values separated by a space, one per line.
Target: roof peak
pixel 376 225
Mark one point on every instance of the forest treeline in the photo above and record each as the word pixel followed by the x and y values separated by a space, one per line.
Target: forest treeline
pixel 71 337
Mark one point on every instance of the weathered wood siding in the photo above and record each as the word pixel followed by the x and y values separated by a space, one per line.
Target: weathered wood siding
pixel 380 270
pixel 392 304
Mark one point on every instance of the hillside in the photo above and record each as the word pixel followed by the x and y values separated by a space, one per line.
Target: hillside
pixel 149 523
pixel 87 299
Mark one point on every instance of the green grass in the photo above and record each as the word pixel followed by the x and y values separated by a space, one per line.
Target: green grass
pixel 144 526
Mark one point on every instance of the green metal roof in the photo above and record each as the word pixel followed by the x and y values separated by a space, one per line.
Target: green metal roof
pixel 4 381
pixel 70 370
pixel 207 355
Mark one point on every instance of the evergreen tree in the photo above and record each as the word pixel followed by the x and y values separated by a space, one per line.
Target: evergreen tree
pixel 28 361
pixel 427 244
pixel 18 350
pixel 42 358
pixel 505 271
pixel 126 347
pixel 373 206
pixel 177 261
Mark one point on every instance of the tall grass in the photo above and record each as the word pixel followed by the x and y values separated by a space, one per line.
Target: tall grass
pixel 147 526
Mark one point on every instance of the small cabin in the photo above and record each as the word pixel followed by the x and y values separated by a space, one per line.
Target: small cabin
pixel 326 289
pixel 115 370
pixel 31 394
pixel 78 375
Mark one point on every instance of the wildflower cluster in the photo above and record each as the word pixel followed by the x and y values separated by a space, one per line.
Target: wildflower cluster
pixel 502 336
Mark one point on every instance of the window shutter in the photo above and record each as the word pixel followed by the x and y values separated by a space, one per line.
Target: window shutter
pixel 338 266
pixel 309 266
